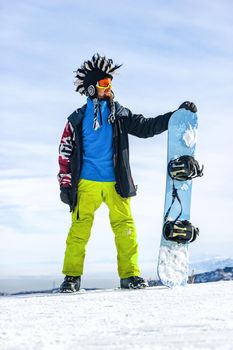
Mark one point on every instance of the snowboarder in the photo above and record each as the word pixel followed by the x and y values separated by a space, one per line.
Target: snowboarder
pixel 94 168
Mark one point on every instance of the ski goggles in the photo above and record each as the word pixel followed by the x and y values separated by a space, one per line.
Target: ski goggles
pixel 104 84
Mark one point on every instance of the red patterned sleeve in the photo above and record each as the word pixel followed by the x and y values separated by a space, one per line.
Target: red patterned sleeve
pixel 65 152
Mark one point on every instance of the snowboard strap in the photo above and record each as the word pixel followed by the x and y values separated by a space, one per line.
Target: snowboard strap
pixel 181 169
pixel 184 168
pixel 175 196
pixel 179 231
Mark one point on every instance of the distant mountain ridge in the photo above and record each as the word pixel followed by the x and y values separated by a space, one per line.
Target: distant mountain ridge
pixel 225 274
pixel 200 272
pixel 210 265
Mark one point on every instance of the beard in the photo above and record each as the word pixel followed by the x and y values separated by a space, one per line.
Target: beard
pixel 107 96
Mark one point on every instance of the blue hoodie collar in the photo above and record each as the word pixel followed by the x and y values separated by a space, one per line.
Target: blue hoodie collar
pixel 90 104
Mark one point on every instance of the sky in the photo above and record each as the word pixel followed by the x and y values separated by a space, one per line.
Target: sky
pixel 171 52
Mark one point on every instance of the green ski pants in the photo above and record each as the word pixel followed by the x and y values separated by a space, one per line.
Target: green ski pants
pixel 90 196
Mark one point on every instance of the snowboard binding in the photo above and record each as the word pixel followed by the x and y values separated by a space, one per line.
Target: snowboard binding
pixel 181 231
pixel 184 168
pixel 181 169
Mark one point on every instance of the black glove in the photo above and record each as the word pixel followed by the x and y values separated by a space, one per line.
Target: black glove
pixel 65 195
pixel 190 106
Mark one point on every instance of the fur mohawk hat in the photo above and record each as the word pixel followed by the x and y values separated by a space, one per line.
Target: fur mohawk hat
pixel 99 67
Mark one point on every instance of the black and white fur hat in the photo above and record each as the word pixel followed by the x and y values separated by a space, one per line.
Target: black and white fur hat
pixel 91 71
pixel 99 67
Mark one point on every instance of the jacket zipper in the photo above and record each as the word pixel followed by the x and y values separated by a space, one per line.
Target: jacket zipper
pixel 100 113
pixel 115 159
pixel 135 186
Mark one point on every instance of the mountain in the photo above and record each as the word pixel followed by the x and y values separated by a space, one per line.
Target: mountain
pixel 225 274
pixel 210 264
pixel 207 270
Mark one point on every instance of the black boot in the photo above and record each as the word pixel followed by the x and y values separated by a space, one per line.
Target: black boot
pixel 70 284
pixel 133 282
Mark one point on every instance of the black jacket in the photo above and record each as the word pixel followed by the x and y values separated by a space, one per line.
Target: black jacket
pixel 126 123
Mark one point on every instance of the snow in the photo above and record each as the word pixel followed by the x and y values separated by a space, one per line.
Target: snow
pixel 173 264
pixel 199 316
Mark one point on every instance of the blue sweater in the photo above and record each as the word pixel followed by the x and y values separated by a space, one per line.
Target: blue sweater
pixel 97 145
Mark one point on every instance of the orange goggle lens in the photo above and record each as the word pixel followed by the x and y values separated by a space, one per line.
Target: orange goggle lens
pixel 104 83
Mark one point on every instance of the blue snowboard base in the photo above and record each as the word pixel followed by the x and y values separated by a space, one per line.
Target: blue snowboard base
pixel 173 260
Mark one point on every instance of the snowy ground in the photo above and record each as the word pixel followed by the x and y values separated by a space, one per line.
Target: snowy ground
pixel 197 317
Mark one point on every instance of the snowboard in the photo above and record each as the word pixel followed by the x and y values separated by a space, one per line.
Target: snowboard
pixel 173 260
